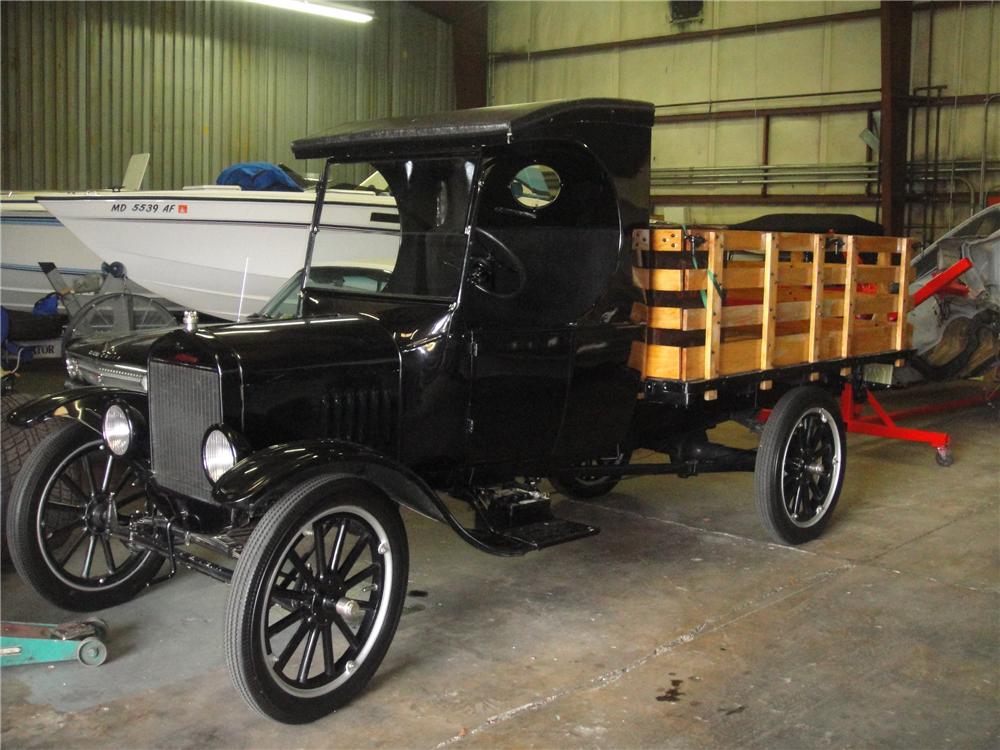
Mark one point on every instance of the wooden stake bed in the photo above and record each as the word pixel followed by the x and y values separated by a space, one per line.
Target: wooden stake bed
pixel 726 302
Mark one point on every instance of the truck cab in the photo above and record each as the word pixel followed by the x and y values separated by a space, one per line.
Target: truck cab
pixel 510 297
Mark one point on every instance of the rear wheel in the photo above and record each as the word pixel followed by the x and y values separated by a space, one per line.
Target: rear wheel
pixel 316 599
pixel 800 465
pixel 68 497
pixel 587 487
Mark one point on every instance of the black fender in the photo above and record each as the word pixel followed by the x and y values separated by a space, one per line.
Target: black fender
pixel 86 405
pixel 260 479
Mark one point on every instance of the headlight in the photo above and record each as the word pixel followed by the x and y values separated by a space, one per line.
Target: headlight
pixel 72 368
pixel 117 429
pixel 218 454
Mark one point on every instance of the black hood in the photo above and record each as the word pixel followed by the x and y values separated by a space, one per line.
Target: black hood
pixel 262 345
pixel 269 346
pixel 285 380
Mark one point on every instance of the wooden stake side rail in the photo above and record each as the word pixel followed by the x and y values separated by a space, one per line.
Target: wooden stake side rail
pixel 725 302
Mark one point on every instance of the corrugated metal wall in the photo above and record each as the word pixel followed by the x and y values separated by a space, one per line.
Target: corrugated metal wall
pixel 199 85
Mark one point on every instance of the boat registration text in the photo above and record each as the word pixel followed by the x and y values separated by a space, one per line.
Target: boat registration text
pixel 150 208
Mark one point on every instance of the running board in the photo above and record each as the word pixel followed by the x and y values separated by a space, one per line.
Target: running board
pixel 515 520
pixel 533 536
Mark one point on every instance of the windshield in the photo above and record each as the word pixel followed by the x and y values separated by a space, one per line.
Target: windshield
pixel 425 257
pixel 285 303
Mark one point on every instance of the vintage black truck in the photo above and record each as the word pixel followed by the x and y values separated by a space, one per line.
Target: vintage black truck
pixel 524 332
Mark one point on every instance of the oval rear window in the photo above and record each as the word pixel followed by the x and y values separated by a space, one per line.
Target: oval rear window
pixel 536 186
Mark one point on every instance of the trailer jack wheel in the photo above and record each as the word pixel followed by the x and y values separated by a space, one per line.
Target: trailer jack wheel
pixel 944 456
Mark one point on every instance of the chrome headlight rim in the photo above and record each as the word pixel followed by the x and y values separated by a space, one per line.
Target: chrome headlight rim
pixel 118 429
pixel 225 444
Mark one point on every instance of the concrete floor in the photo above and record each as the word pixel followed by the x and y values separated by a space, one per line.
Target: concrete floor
pixel 680 625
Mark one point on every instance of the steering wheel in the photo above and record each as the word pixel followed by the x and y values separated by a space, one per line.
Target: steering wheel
pixel 493 254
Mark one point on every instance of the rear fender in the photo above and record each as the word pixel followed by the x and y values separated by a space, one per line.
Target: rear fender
pixel 84 405
pixel 260 479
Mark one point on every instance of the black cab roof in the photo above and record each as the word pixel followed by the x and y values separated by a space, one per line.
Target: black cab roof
pixel 464 129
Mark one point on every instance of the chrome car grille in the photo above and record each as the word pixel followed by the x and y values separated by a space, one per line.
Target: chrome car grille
pixel 184 402
pixel 363 415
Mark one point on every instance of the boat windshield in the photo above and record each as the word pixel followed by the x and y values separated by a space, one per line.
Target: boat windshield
pixel 426 256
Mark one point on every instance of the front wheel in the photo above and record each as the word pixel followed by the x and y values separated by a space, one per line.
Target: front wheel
pixel 316 598
pixel 800 465
pixel 70 496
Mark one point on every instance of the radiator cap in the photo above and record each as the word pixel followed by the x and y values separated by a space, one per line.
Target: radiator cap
pixel 190 321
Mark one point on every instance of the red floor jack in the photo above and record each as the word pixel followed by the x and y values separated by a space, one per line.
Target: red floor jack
pixel 883 423
pixel 855 397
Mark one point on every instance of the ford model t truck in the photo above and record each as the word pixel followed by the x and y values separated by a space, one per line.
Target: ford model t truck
pixel 533 325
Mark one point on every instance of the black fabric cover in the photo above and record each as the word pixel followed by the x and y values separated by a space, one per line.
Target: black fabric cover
pixel 813 224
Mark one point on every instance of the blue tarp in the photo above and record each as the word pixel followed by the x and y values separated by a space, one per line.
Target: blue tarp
pixel 257 175
pixel 8 347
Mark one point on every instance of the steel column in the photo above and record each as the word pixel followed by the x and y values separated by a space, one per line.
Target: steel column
pixel 469 51
pixel 896 27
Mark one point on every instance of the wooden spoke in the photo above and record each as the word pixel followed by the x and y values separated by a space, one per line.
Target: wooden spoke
pixel 290 647
pixel 286 622
pixel 89 560
pixel 307 655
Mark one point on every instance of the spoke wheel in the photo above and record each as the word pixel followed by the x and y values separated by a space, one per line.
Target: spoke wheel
pixel 70 495
pixel 587 487
pixel 800 465
pixel 316 599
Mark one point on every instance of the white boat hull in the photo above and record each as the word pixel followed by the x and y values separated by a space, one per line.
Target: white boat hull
pixel 225 253
pixel 29 234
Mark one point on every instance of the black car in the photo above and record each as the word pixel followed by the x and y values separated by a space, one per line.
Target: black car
pixel 494 353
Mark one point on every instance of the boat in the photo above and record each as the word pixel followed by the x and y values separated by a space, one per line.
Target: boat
pixel 221 250
pixel 29 234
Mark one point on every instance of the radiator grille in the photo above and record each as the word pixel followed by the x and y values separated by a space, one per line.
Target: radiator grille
pixel 184 402
pixel 362 415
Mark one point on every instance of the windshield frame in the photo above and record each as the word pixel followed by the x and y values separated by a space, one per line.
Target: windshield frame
pixel 473 157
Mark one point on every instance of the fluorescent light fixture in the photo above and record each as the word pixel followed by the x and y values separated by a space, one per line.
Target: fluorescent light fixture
pixel 340 12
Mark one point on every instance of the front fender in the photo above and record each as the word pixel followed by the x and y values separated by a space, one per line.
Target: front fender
pixel 86 405
pixel 260 479
pixel 263 476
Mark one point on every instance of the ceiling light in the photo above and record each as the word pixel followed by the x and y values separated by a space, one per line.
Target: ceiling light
pixel 340 12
